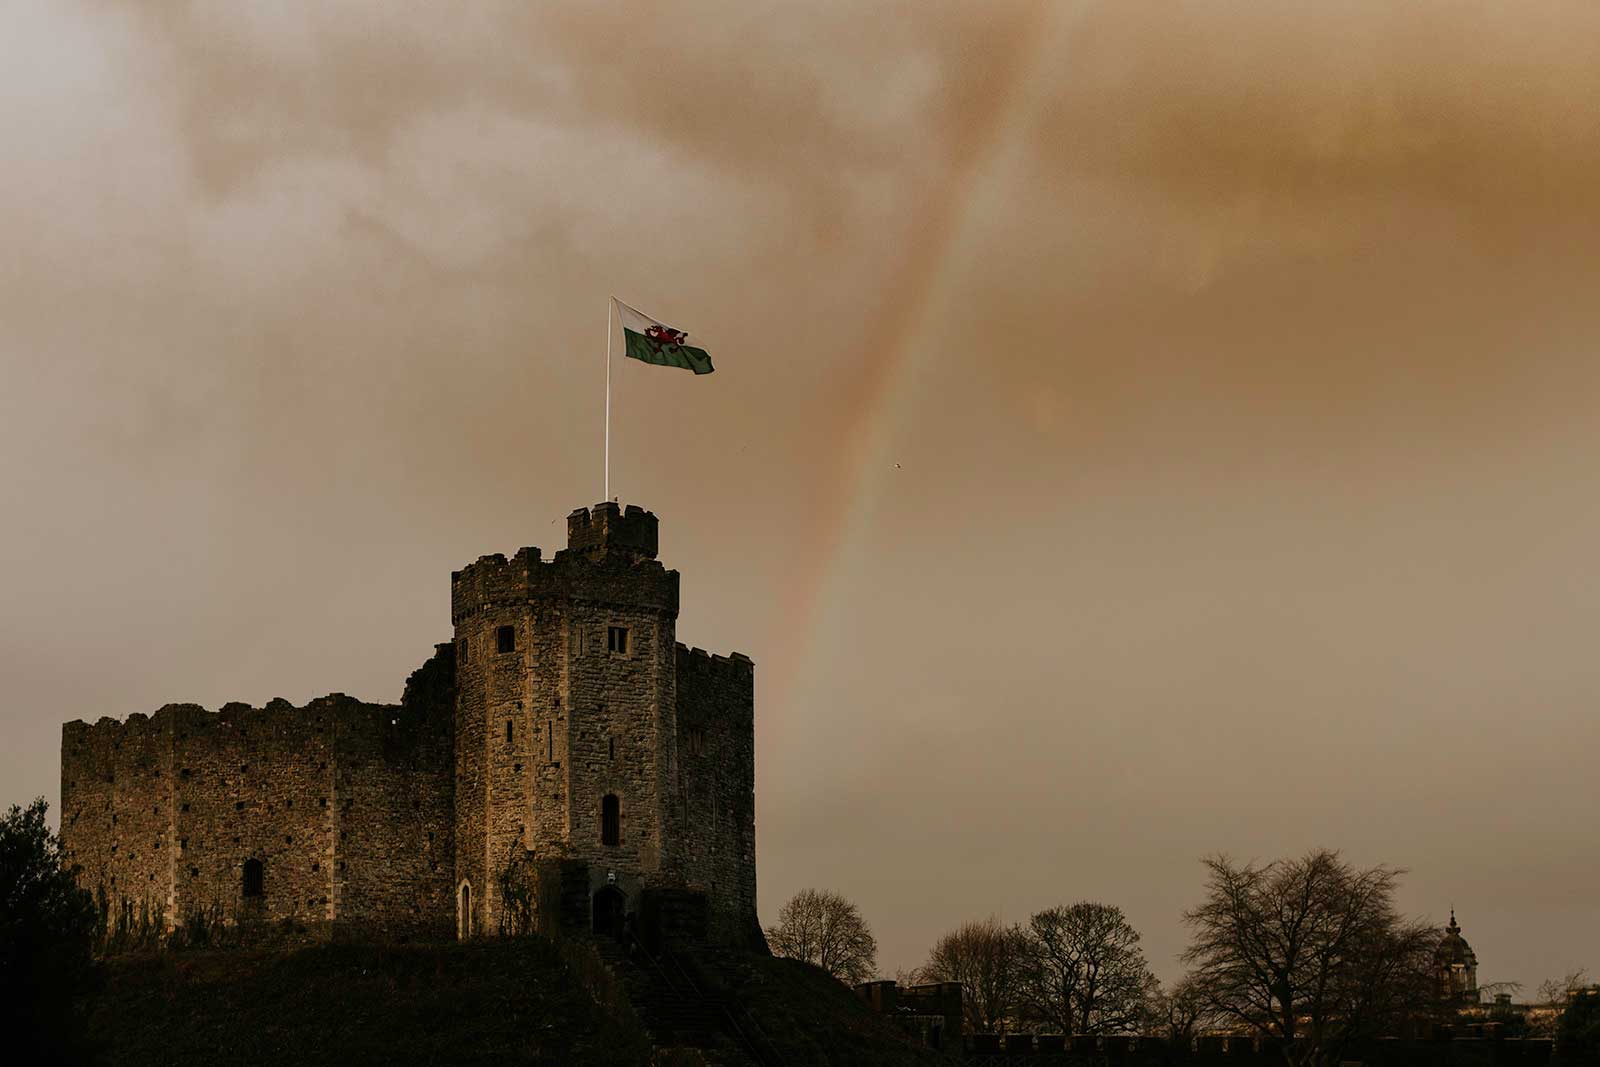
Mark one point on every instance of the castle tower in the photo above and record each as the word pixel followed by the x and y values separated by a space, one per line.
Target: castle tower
pixel 567 724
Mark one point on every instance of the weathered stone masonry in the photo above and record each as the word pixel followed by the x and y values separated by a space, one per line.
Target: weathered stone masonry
pixel 344 805
pixel 563 723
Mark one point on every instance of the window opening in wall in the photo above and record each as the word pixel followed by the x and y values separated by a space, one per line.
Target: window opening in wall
pixel 505 638
pixel 611 747
pixel 508 731
pixel 617 640
pixel 466 650
pixel 550 741
pixel 610 820
pixel 465 918
pixel 697 741
pixel 255 879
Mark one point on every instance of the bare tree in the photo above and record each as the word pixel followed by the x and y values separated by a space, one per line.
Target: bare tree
pixel 822 927
pixel 1309 952
pixel 985 957
pixel 1176 1014
pixel 1083 971
pixel 1553 1001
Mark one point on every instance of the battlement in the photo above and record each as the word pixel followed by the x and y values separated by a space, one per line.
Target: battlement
pixel 611 557
pixel 608 527
pixel 693 657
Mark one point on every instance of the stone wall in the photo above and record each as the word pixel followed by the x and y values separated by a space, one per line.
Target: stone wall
pixel 563 686
pixel 716 754
pixel 550 719
pixel 343 804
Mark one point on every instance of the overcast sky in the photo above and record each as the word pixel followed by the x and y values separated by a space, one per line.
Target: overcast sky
pixel 1140 430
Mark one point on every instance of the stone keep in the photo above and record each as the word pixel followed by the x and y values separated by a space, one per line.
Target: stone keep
pixel 564 724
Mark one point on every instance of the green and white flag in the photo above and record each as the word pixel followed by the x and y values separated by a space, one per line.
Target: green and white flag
pixel 650 341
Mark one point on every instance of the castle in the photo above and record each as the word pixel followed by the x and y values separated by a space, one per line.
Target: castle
pixel 563 731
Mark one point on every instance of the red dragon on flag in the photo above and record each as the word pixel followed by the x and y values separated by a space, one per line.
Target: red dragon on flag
pixel 666 334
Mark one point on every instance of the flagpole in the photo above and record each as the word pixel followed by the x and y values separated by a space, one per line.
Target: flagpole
pixel 610 304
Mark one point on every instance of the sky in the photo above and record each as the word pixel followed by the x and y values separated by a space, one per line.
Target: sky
pixel 1141 430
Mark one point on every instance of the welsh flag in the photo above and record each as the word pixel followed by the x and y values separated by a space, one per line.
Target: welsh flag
pixel 650 341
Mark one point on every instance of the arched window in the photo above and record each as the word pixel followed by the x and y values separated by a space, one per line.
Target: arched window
pixel 255 879
pixel 610 820
pixel 465 919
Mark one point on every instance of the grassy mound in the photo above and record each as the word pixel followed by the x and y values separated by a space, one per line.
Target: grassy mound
pixel 493 1002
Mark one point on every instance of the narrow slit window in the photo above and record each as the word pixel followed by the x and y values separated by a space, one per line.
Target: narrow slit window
pixel 617 640
pixel 508 731
pixel 506 639
pixel 610 820
pixel 611 748
pixel 550 741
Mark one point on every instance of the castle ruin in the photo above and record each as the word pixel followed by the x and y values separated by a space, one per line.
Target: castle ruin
pixel 563 730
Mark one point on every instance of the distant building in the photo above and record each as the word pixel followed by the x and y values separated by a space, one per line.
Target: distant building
pixel 931 1013
pixel 1455 966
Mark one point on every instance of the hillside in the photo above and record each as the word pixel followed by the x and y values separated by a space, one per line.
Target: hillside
pixel 490 1002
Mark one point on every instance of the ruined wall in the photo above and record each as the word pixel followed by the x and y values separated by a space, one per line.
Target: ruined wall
pixel 335 800
pixel 394 790
pixel 716 753
pixel 117 809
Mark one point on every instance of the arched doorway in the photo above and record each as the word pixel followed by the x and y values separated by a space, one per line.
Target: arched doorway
pixel 255 878
pixel 464 916
pixel 608 910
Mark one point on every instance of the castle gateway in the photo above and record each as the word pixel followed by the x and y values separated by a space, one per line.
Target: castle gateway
pixel 562 759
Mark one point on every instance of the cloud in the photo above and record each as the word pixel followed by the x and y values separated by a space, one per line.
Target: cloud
pixel 1314 128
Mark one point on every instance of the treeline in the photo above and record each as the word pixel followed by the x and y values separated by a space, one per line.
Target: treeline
pixel 1310 953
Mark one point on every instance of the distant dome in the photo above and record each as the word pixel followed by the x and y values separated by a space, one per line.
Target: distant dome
pixel 1455 966
pixel 1453 948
